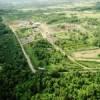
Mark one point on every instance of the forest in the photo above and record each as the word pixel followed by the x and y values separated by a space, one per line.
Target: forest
pixel 18 83
pixel 62 42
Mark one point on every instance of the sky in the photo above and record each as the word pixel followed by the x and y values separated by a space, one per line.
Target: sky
pixel 21 1
pixel 26 0
pixel 17 3
pixel 5 3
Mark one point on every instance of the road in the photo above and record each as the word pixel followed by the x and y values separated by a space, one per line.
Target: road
pixel 24 52
pixel 46 34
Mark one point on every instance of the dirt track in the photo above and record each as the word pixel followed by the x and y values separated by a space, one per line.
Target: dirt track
pixel 24 52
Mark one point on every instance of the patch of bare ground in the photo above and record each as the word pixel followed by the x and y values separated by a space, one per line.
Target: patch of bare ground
pixel 89 55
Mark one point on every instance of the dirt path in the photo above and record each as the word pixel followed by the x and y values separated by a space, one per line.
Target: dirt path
pixel 46 34
pixel 24 52
pixel 90 60
pixel 74 61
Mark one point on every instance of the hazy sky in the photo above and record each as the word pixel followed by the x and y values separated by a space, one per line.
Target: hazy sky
pixel 25 0
pixel 28 1
pixel 18 3
pixel 21 1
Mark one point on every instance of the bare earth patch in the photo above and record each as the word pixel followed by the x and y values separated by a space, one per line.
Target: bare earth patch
pixel 89 55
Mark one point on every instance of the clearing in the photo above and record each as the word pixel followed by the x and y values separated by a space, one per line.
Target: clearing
pixel 89 55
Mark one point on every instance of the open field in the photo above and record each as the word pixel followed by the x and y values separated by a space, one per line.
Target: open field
pixel 87 55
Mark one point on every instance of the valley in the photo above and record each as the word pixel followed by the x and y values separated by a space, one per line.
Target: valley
pixel 50 52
